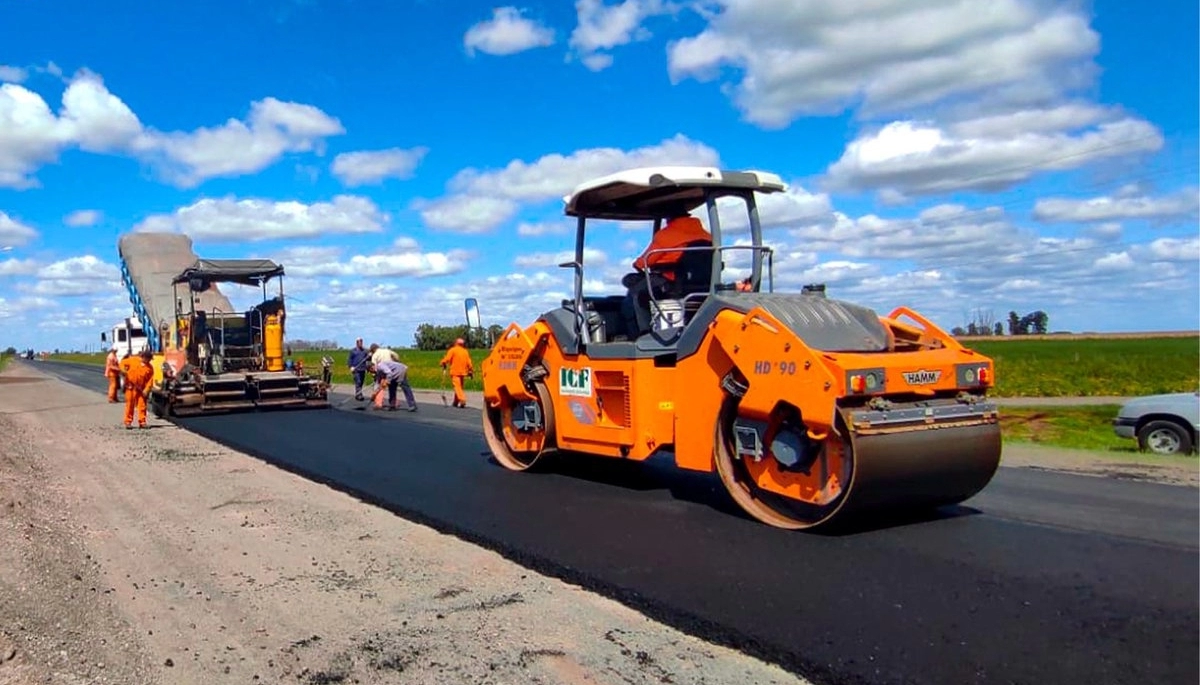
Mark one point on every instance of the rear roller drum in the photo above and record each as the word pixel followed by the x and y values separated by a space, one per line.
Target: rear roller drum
pixel 789 481
pixel 816 476
pixel 519 434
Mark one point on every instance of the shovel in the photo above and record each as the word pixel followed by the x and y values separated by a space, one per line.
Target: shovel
pixel 445 402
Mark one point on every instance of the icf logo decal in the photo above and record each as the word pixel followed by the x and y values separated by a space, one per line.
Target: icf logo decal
pixel 576 382
pixel 921 377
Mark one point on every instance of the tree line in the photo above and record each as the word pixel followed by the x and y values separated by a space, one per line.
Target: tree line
pixel 983 322
pixel 433 337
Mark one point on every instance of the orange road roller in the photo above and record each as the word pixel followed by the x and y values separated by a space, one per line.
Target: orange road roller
pixel 808 408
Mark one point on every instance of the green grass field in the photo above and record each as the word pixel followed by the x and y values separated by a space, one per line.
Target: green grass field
pixel 1024 368
pixel 1098 367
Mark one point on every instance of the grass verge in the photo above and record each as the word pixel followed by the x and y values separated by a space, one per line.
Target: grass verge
pixel 1084 427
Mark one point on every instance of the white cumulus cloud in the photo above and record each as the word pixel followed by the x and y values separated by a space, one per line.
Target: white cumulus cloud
pixel 479 201
pixel 95 120
pixel 592 258
pixel 799 57
pixel 909 158
pixel 231 220
pixel 507 33
pixel 273 128
pixel 14 233
pixel 372 166
pixel 85 275
pixel 602 27
pixel 10 74
pixel 83 217
pixel 403 258
pixel 1180 205
pixel 18 267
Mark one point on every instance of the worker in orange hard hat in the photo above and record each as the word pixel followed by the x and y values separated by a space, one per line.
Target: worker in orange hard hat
pixel 680 231
pixel 112 371
pixel 139 375
pixel 459 362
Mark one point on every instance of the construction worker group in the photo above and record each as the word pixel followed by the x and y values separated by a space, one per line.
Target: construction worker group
pixel 391 374
pixel 135 373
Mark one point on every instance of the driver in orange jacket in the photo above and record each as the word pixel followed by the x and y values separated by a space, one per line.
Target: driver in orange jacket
pixel 139 375
pixel 459 361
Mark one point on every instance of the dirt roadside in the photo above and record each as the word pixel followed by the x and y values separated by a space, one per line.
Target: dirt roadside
pixel 158 556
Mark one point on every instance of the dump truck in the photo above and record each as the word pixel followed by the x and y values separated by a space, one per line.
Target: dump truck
pixel 810 409
pixel 209 357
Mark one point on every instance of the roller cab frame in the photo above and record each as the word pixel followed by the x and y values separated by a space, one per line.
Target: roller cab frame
pixel 220 362
pixel 809 408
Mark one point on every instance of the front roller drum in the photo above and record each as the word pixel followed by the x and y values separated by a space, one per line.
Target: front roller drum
pixel 518 434
pixel 902 467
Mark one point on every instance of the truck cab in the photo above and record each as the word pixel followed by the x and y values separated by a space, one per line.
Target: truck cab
pixel 126 337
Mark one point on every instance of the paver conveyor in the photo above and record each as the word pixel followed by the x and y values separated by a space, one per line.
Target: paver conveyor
pixel 149 263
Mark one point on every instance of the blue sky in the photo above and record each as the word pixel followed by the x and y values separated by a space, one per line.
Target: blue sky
pixel 977 156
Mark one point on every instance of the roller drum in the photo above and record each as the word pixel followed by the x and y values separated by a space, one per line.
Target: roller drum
pixel 922 466
pixel 892 456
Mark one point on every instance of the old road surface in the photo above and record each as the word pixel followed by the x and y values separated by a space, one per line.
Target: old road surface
pixel 1042 578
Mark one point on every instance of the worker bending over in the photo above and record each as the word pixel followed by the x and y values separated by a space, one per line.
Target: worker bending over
pixel 680 231
pixel 139 375
pixel 112 371
pixel 459 361
pixel 393 374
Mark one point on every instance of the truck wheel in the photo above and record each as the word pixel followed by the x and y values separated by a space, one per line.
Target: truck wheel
pixel 1164 437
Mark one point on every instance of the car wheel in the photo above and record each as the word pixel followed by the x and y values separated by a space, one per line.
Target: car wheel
pixel 1164 437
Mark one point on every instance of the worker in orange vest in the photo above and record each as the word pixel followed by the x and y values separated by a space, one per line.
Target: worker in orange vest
pixel 459 361
pixel 139 375
pixel 112 371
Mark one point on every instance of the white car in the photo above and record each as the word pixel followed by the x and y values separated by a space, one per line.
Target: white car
pixel 1163 424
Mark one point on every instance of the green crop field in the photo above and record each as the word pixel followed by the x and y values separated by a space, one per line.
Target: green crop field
pixel 1024 368
pixel 1093 367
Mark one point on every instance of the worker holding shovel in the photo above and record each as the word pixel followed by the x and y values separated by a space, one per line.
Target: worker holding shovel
pixel 460 366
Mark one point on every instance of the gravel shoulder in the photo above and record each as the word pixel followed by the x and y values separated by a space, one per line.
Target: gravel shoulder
pixel 157 556
pixel 1131 466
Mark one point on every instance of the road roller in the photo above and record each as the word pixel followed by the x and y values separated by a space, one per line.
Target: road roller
pixel 808 408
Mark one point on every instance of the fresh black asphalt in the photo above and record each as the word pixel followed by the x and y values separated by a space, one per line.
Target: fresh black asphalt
pixel 1042 578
